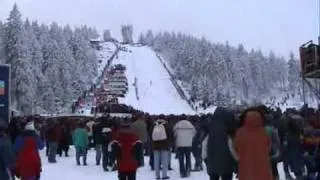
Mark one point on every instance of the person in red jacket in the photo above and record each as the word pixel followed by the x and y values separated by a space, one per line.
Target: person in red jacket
pixel 127 147
pixel 28 163
pixel 253 147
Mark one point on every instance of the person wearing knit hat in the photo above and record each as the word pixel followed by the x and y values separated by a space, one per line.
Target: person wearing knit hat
pixel 27 146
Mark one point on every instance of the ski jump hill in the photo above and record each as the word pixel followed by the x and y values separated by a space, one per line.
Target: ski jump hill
pixel 150 88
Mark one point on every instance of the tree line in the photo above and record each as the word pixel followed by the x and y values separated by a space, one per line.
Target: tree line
pixel 50 65
pixel 220 74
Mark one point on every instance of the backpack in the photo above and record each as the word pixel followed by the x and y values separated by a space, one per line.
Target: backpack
pixel 159 132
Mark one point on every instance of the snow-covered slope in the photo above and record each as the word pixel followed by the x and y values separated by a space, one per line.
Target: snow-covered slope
pixel 154 92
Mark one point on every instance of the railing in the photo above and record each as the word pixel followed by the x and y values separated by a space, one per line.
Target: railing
pixel 175 83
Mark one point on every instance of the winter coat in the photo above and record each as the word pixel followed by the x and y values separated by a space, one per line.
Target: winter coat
pixel 97 133
pixel 28 162
pixel 294 149
pixel 199 136
pixel 127 151
pixel 220 128
pixel 65 136
pixel 53 134
pixel 164 144
pixel 140 129
pixel 7 159
pixel 184 132
pixel 19 142
pixel 253 147
pixel 80 138
pixel 14 130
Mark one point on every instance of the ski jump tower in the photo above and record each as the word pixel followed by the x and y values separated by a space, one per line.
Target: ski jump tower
pixel 310 67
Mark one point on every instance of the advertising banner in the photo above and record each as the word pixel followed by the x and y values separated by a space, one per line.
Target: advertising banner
pixel 4 93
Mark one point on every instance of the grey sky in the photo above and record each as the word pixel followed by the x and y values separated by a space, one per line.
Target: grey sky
pixel 280 25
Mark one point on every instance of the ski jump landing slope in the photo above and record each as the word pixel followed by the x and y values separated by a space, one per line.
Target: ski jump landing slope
pixel 150 88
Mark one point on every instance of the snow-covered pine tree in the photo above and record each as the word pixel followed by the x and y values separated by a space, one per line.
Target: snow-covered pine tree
pixel 142 40
pixel 293 74
pixel 107 35
pixel 127 33
pixel 50 66
pixel 229 69
pixel 17 54
pixel 34 49
pixel 149 38
pixel 2 31
pixel 255 71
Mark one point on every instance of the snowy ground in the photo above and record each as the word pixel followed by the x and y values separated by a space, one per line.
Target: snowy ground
pixel 156 93
pixel 66 169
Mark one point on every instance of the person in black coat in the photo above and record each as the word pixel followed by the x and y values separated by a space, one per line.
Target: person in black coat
pixel 220 129
pixel 97 137
pixel 197 144
pixel 64 141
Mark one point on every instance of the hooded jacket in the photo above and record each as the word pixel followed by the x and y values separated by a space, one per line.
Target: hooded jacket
pixel 219 129
pixel 184 132
pixel 125 146
pixel 140 129
pixel 253 147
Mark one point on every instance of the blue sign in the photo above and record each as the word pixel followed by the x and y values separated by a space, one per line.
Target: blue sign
pixel 5 93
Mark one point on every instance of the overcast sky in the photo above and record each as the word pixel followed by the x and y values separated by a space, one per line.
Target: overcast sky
pixel 279 25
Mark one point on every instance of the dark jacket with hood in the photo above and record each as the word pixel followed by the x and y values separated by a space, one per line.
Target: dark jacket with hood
pixel 220 128
pixel 97 133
